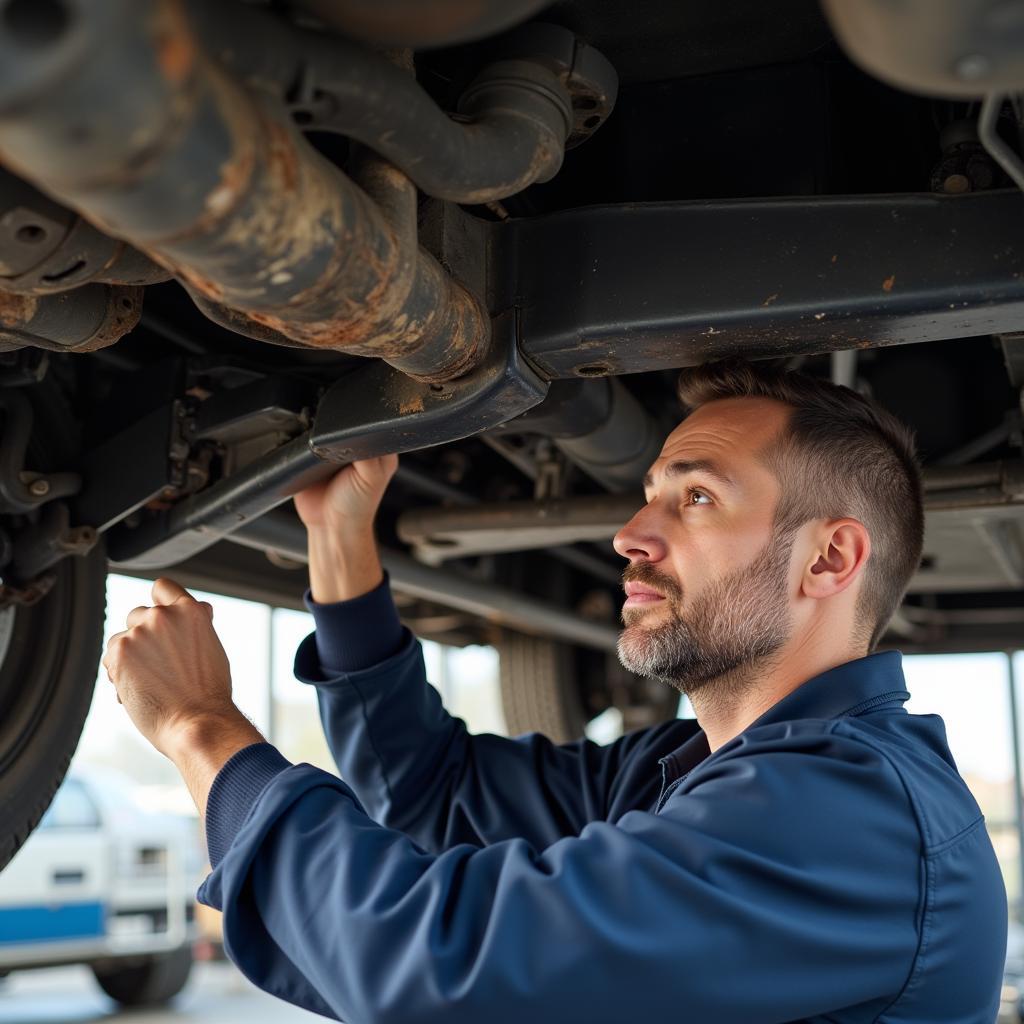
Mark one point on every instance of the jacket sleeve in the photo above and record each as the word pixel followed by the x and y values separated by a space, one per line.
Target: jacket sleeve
pixel 416 768
pixel 784 884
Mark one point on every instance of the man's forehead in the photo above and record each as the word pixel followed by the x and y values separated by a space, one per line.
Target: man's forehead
pixel 729 432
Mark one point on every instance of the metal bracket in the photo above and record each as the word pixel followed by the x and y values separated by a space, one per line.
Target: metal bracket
pixel 379 410
pixel 376 410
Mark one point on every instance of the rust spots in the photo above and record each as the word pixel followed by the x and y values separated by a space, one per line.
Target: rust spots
pixel 771 298
pixel 17 310
pixel 888 283
pixel 281 156
pixel 124 307
pixel 208 287
pixel 236 172
pixel 411 405
pixel 175 51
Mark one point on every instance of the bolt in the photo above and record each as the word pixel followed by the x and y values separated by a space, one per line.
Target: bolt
pixel 956 184
pixel 39 488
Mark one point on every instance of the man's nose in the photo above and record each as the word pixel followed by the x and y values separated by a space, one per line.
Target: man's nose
pixel 640 540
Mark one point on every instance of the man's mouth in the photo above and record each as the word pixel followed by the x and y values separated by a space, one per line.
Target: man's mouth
pixel 639 595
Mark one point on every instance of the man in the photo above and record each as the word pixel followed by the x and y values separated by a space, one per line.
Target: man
pixel 805 850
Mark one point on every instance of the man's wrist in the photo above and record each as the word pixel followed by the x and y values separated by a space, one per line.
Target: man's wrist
pixel 202 746
pixel 342 565
pixel 207 733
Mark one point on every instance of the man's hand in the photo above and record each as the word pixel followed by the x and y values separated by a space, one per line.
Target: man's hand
pixel 169 668
pixel 339 513
pixel 347 501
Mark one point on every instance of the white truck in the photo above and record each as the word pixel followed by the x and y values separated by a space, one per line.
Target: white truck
pixel 106 883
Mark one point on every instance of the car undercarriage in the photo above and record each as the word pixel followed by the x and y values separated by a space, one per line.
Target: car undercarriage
pixel 242 244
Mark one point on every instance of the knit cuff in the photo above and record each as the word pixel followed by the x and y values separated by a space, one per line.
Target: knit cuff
pixel 357 633
pixel 234 793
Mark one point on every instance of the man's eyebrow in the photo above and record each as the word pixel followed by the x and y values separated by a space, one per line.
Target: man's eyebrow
pixel 683 466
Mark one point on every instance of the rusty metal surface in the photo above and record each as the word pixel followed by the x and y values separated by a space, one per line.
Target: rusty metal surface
pixel 234 201
pixel 85 319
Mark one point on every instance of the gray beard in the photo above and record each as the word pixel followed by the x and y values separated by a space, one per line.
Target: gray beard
pixel 734 625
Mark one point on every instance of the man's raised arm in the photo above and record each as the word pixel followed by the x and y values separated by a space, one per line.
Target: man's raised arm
pixel 414 766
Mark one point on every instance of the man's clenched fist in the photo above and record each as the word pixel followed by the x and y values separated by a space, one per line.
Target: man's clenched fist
pixel 169 668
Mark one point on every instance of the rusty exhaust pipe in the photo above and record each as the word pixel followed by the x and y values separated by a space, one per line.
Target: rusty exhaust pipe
pixel 114 109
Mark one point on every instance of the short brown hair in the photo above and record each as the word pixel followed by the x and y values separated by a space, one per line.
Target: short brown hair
pixel 841 455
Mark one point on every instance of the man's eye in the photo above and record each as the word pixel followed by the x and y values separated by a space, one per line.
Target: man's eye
pixel 692 492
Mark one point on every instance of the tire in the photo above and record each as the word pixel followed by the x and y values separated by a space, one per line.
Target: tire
pixel 155 981
pixel 49 654
pixel 47 676
pixel 539 691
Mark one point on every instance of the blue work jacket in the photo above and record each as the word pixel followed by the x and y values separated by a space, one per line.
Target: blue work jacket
pixel 827 864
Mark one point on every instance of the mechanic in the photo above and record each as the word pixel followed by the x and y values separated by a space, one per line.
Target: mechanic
pixel 805 849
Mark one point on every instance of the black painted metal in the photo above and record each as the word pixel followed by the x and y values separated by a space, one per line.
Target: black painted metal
pixel 204 518
pixel 378 410
pixel 1013 356
pixel 610 290
pixel 373 411
pixel 263 406
pixel 127 470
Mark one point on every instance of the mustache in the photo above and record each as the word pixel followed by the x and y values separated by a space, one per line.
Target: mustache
pixel 648 575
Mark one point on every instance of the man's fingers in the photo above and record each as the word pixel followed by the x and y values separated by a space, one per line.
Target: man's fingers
pixel 136 615
pixel 106 661
pixel 116 636
pixel 166 591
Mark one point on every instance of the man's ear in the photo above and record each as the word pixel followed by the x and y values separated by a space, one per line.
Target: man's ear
pixel 843 547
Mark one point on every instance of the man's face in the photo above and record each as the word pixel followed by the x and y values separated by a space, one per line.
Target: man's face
pixel 708 583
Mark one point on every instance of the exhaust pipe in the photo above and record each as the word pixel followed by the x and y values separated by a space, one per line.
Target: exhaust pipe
pixel 113 108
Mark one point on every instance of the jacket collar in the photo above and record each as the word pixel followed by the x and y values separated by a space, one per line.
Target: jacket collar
pixel 848 689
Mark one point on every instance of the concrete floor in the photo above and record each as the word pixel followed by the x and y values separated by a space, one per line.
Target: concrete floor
pixel 216 994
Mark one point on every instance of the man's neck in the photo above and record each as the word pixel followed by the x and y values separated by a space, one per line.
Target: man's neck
pixel 731 703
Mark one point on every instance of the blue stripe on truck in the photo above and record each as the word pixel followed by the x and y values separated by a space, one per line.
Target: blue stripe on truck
pixel 48 923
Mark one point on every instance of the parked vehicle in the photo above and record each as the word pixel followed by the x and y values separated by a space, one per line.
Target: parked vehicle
pixel 104 883
pixel 244 243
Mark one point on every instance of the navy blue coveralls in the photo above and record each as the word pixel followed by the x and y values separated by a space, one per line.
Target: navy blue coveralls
pixel 827 864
